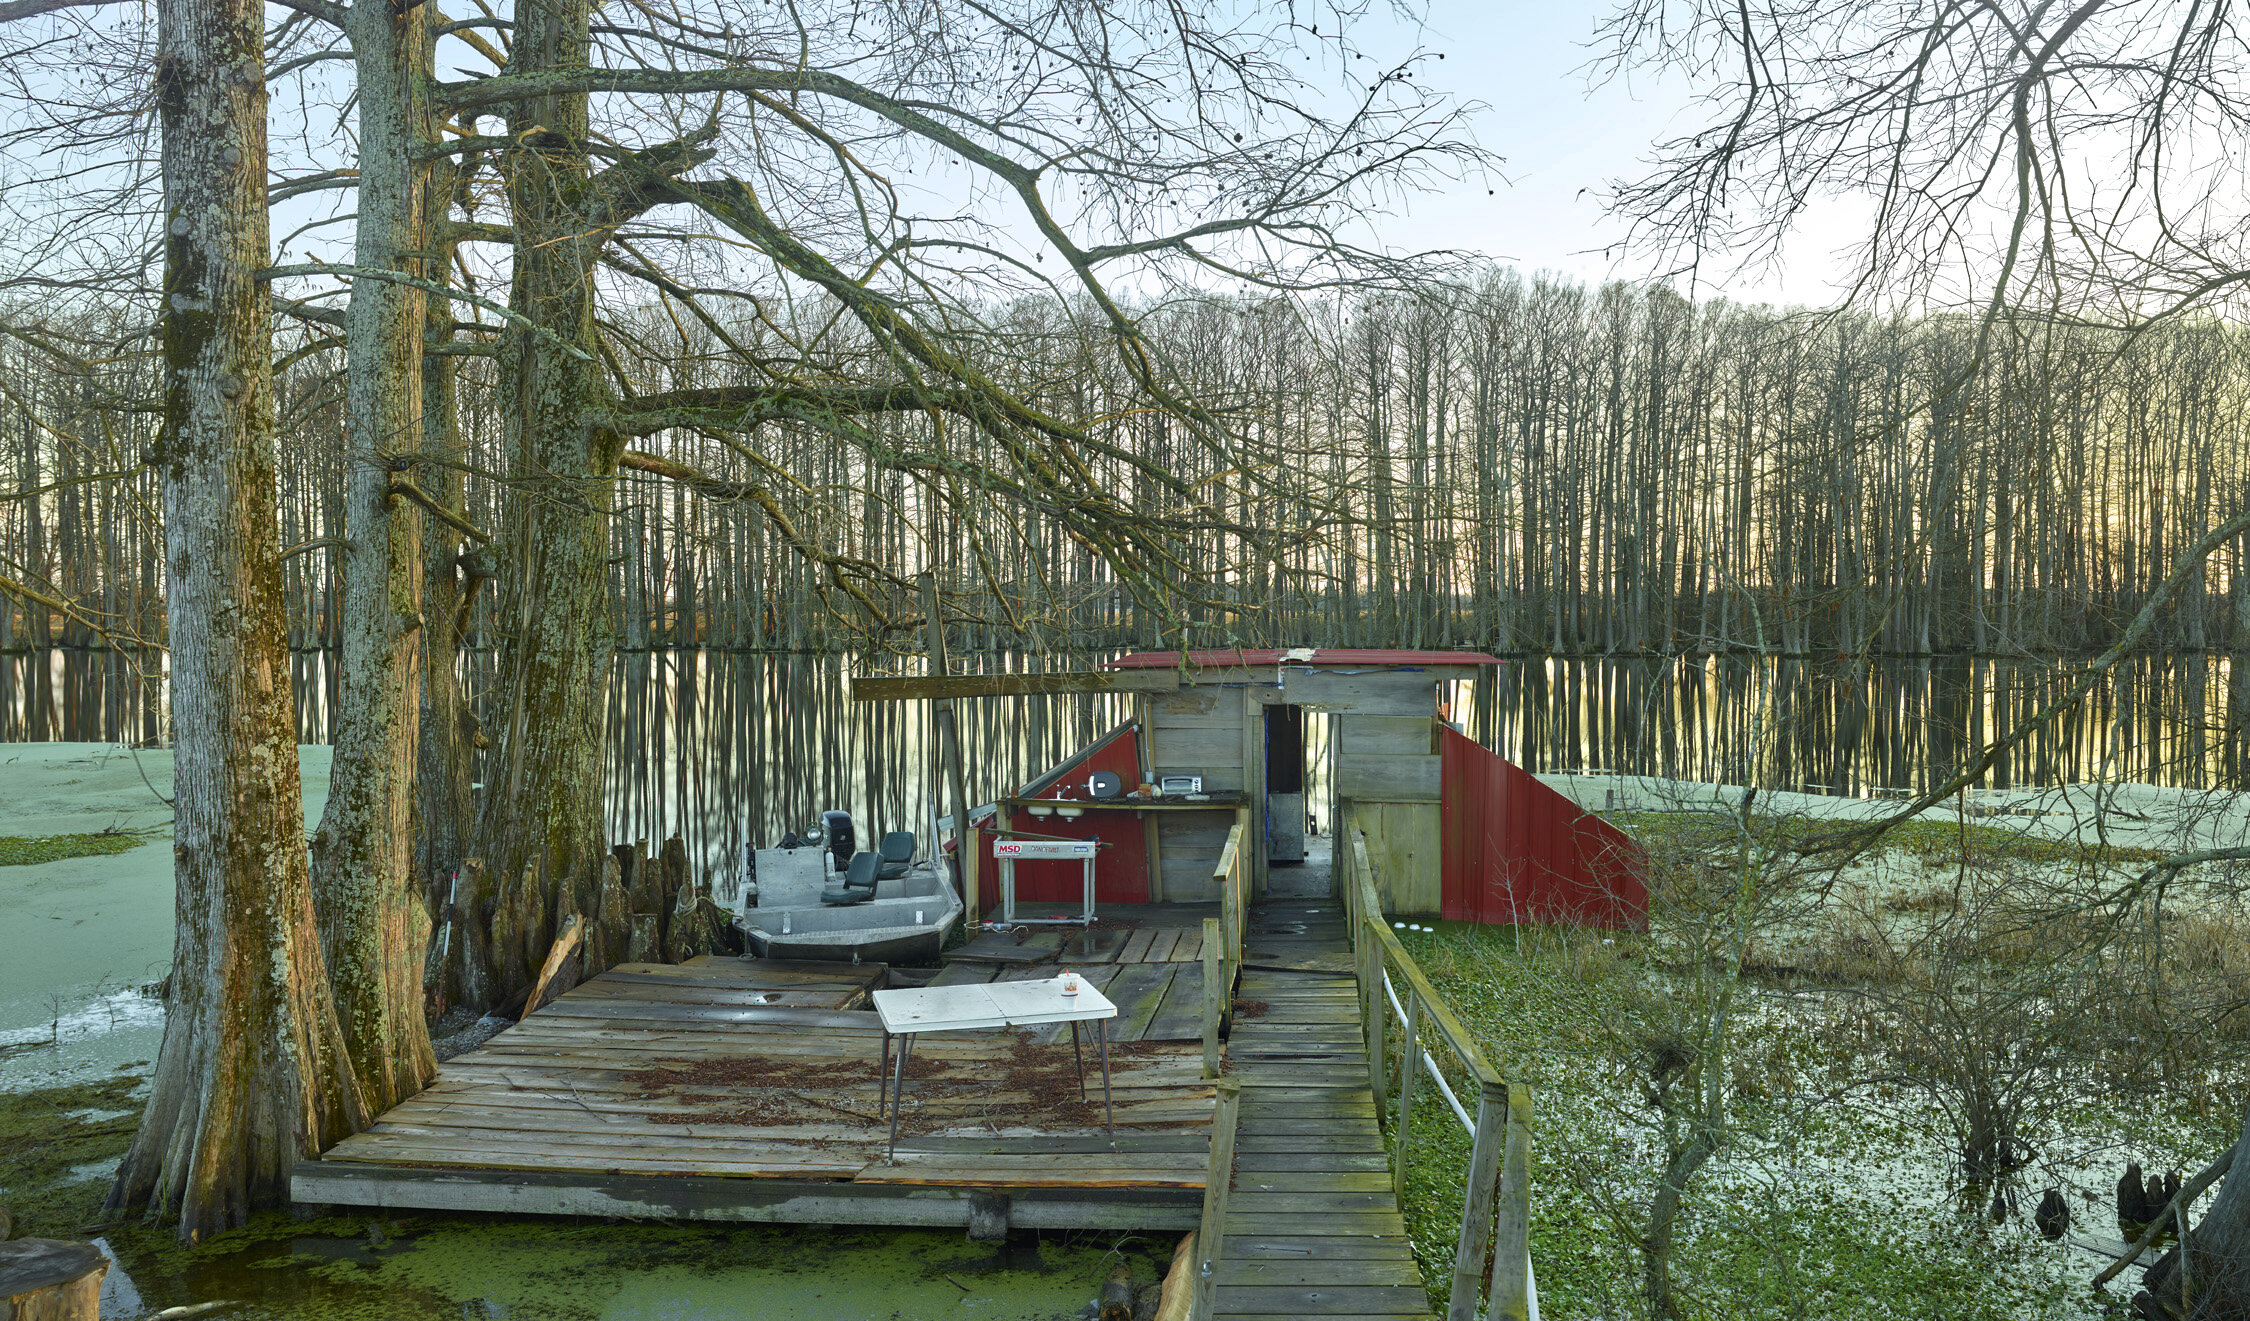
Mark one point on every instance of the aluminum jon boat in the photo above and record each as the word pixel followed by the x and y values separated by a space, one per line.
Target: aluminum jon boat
pixel 877 909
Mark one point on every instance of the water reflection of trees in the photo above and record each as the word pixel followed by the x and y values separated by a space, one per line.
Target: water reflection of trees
pixel 1874 727
pixel 728 747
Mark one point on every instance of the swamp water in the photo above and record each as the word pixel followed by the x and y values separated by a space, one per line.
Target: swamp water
pixel 439 1268
pixel 730 748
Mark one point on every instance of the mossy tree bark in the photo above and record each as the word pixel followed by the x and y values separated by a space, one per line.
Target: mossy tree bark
pixel 446 749
pixel 542 784
pixel 373 923
pixel 454 566
pixel 251 1075
pixel 542 805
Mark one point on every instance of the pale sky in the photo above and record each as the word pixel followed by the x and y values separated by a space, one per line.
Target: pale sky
pixel 1564 141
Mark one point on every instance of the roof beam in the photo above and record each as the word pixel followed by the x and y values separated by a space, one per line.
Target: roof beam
pixel 918 687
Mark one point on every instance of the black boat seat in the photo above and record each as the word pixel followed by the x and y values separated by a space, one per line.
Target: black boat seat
pixel 858 883
pixel 897 850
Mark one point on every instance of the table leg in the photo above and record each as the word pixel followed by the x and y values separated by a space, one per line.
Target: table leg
pixel 883 1075
pixel 1078 1058
pixel 898 1098
pixel 1109 1107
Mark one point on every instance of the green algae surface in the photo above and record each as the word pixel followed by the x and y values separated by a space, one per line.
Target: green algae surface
pixel 560 1269
pixel 29 850
pixel 56 1145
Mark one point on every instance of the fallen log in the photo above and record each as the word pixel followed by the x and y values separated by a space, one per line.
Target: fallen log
pixel 560 970
pixel 49 1279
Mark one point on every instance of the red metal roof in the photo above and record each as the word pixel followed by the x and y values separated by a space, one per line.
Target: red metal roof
pixel 1237 657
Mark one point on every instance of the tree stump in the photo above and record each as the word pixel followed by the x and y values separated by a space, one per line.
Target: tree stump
pixel 47 1279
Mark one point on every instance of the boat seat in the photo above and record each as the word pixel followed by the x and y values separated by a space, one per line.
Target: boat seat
pixel 897 850
pixel 858 883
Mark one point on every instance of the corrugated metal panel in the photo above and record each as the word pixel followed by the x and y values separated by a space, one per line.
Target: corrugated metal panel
pixel 1121 870
pixel 1238 659
pixel 1517 851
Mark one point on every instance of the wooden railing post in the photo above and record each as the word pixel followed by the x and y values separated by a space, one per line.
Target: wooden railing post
pixel 1214 996
pixel 1218 1179
pixel 1372 1011
pixel 1476 1202
pixel 1511 1251
pixel 1410 1067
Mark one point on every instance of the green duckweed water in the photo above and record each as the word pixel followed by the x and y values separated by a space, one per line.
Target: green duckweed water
pixel 59 1146
pixel 551 1269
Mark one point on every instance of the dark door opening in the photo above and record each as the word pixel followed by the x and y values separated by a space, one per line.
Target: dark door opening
pixel 1285 784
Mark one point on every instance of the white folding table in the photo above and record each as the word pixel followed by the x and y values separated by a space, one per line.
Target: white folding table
pixel 910 1011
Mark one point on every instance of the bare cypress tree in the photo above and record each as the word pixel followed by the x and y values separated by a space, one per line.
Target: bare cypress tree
pixel 252 1075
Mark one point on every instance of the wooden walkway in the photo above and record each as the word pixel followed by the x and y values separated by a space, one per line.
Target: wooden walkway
pixel 732 1089
pixel 735 1089
pixel 1311 1227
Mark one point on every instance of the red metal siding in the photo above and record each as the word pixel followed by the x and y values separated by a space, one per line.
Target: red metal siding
pixel 1516 851
pixel 1120 871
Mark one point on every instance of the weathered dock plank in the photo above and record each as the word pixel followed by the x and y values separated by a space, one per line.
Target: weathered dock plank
pixel 746 1090
pixel 1312 1228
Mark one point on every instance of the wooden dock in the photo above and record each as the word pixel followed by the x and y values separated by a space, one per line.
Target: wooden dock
pixel 1312 1228
pixel 734 1089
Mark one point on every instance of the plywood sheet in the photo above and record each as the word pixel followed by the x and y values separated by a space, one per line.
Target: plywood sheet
pixel 1199 750
pixel 1388 693
pixel 1405 845
pixel 1394 779
pixel 1386 736
pixel 1189 843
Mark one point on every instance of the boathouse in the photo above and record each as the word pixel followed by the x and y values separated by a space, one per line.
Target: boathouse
pixel 1294 740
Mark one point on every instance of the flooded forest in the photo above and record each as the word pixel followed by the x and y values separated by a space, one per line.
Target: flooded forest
pixel 556 560
pixel 1645 504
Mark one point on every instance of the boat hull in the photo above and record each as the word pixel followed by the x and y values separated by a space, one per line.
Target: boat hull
pixel 906 923
pixel 906 946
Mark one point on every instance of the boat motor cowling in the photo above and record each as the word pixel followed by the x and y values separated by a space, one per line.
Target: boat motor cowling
pixel 843 841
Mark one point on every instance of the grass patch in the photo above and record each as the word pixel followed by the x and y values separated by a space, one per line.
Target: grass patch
pixel 49 1137
pixel 1932 841
pixel 26 850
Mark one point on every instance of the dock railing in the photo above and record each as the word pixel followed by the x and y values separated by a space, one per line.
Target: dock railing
pixel 1222 937
pixel 1497 1198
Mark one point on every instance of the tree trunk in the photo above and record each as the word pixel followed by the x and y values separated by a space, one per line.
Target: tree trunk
pixel 374 923
pixel 2219 1268
pixel 251 1076
pixel 446 748
pixel 1663 1222
pixel 542 787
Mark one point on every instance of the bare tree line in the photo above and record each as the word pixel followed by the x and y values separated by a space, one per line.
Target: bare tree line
pixel 1529 466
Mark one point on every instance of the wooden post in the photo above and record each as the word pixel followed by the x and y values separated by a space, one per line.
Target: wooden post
pixel 47 1279
pixel 1214 997
pixel 1476 1203
pixel 1511 1255
pixel 1373 1012
pixel 948 731
pixel 1218 1179
pixel 1410 1068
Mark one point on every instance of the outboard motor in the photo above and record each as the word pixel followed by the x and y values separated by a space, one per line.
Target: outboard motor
pixel 843 841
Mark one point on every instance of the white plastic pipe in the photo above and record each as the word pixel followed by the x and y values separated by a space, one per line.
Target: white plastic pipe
pixel 1399 1011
